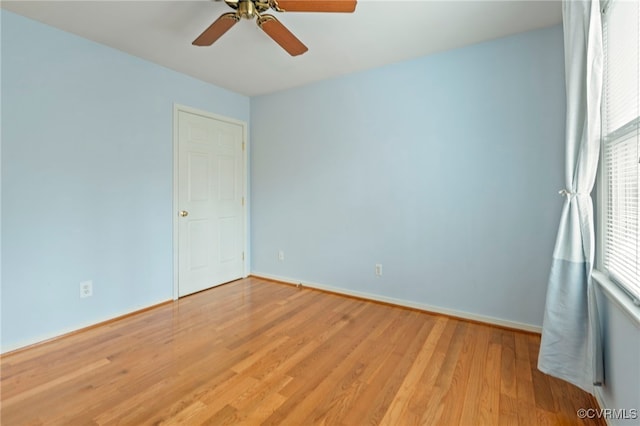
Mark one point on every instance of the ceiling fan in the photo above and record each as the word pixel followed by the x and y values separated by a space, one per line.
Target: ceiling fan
pixel 250 9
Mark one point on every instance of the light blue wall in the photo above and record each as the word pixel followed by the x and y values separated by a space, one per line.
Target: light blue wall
pixel 86 178
pixel 445 169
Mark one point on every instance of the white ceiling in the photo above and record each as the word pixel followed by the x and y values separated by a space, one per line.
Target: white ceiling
pixel 246 61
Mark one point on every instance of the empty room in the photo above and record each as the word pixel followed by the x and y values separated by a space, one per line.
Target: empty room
pixel 337 212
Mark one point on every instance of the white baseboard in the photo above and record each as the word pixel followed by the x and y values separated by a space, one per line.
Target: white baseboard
pixel 597 392
pixel 78 327
pixel 405 303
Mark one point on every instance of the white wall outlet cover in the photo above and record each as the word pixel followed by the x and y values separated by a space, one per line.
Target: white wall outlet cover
pixel 86 289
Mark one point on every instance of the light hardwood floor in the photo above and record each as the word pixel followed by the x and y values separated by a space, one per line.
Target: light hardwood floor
pixel 258 352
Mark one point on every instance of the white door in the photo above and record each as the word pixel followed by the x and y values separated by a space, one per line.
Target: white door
pixel 210 202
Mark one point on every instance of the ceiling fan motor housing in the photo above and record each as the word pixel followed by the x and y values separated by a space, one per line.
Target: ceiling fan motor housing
pixel 247 10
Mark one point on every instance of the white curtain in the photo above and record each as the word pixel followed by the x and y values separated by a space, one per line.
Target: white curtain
pixel 570 348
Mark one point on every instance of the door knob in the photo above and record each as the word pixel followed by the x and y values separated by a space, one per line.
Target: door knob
pixel 184 213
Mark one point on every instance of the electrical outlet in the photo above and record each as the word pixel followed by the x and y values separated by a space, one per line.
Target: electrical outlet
pixel 378 269
pixel 86 289
pixel 281 256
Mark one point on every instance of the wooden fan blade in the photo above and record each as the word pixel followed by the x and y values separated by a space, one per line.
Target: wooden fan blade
pixel 281 35
pixel 345 6
pixel 216 30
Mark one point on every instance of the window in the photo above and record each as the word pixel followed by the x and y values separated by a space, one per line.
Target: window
pixel 620 145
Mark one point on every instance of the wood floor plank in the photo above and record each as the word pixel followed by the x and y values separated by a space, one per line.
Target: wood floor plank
pixel 297 408
pixel 405 350
pixel 477 366
pixel 258 352
pixel 375 372
pixel 489 401
pixel 508 411
pixel 336 400
pixel 524 381
pixel 400 404
pixel 508 366
pixel 455 381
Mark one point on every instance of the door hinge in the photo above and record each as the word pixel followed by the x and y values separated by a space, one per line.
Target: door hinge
pixel 243 145
pixel 243 201
pixel 242 255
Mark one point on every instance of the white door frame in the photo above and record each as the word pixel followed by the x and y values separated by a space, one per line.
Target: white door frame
pixel 245 175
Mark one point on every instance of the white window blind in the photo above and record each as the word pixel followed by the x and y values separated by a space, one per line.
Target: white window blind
pixel 621 139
